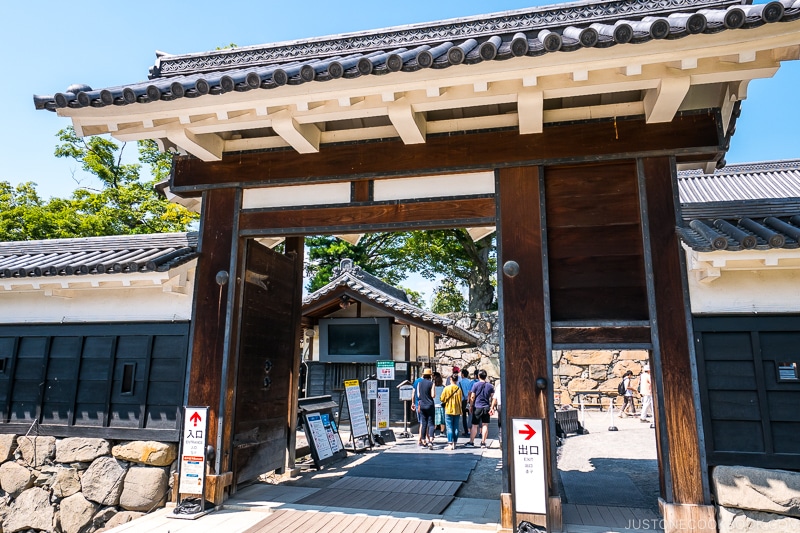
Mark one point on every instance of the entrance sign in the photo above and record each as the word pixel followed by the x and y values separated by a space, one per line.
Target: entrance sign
pixel 528 457
pixel 193 451
pixel 385 370
pixel 382 408
pixel 358 420
pixel 372 389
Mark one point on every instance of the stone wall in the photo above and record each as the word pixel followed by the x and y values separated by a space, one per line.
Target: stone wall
pixel 80 485
pixel 756 499
pixel 573 370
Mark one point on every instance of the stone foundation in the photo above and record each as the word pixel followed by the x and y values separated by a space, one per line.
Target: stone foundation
pixel 80 485
pixel 756 499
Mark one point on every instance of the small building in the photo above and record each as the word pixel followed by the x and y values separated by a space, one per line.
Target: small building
pixel 356 320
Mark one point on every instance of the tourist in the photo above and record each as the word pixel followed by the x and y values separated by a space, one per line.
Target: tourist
pixel 423 400
pixel 628 408
pixel 646 390
pixel 451 399
pixel 438 387
pixel 480 400
pixel 466 386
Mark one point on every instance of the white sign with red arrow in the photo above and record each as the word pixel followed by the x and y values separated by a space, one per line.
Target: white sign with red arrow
pixel 530 490
pixel 193 451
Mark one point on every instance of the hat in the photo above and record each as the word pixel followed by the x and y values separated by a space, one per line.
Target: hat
pixel 646 368
pixel 427 372
pixel 456 370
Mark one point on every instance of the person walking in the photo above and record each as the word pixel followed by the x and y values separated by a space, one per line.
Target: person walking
pixel 497 401
pixel 451 400
pixel 480 400
pixel 466 386
pixel 628 408
pixel 438 387
pixel 423 399
pixel 646 390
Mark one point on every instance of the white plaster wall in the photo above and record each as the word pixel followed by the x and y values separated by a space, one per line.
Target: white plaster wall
pixel 95 305
pixel 747 291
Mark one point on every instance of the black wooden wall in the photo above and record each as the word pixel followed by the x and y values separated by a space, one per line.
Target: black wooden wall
pixel 71 379
pixel 750 417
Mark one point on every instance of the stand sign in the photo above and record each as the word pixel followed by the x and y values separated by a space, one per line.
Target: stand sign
pixel 385 370
pixel 358 420
pixel 382 408
pixel 529 475
pixel 372 389
pixel 193 451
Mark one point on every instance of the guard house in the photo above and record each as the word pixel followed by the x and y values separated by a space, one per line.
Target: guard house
pixel 562 126
pixel 356 320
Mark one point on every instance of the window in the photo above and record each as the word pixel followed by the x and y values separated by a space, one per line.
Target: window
pixel 787 372
pixel 355 339
pixel 128 378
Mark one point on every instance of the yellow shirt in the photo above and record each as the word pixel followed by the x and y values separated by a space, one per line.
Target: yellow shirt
pixel 451 398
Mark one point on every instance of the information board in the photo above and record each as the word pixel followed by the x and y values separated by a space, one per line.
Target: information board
pixel 406 393
pixel 529 474
pixel 193 451
pixel 382 408
pixel 401 367
pixel 358 420
pixel 385 370
pixel 323 436
pixel 372 389
pixel 319 435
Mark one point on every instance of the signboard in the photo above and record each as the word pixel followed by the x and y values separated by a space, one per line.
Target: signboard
pixel 319 436
pixel 193 451
pixel 401 367
pixel 382 408
pixel 385 370
pixel 406 393
pixel 528 456
pixel 372 389
pixel 358 421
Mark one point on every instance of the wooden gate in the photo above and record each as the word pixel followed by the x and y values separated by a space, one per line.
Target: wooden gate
pixel 265 363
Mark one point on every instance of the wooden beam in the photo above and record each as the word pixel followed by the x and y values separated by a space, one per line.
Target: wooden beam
pixel 530 107
pixel 601 335
pixel 302 137
pixel 523 299
pixel 661 104
pixel 207 147
pixel 410 125
pixel 209 313
pixel 674 342
pixel 691 135
pixel 457 212
pixel 295 246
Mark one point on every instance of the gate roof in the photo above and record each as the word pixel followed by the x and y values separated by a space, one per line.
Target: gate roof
pixel 505 70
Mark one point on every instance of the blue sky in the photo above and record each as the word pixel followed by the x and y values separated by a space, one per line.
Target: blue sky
pixel 49 45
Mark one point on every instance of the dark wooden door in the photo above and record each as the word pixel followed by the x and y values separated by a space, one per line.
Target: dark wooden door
pixel 269 318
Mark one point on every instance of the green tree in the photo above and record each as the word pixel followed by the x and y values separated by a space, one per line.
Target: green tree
pixel 447 298
pixel 124 203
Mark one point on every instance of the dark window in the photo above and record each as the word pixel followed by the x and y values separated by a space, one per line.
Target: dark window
pixel 354 339
pixel 3 362
pixel 128 375
pixel 787 372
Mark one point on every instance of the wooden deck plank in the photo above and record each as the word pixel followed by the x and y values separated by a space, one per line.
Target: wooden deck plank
pixel 328 523
pixel 586 516
pixel 597 516
pixel 609 517
pixel 274 520
pixel 570 514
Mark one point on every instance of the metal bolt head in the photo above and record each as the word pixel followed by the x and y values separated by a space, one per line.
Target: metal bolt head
pixel 511 268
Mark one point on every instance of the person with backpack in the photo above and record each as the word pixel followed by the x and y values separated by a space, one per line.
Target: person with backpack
pixel 625 389
pixel 480 401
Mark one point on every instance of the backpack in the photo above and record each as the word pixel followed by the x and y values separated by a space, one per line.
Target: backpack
pixel 621 389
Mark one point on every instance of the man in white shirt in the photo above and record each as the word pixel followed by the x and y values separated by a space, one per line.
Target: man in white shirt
pixel 646 390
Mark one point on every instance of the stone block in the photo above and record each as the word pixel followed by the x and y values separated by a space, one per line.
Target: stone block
pixel 744 521
pixel 589 357
pixel 146 452
pixel 8 443
pixel 76 513
pixel 120 518
pixel 15 478
pixel 621 367
pixel 144 488
pixel 37 451
pixel 31 510
pixel 598 372
pixel 102 481
pixel 758 489
pixel 610 385
pixel 581 384
pixel 566 369
pixel 636 355
pixel 77 449
pixel 66 482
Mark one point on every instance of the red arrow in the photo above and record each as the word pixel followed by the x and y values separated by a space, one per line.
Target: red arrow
pixel 195 418
pixel 529 431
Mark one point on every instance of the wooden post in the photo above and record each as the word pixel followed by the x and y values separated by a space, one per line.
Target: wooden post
pixel 296 246
pixel 687 482
pixel 524 333
pixel 209 322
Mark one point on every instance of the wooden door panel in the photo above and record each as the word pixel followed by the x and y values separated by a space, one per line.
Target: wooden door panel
pixel 264 362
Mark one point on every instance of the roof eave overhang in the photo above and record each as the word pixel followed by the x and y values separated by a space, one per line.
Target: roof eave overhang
pixel 670 76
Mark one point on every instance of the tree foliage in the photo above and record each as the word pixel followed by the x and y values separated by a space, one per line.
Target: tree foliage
pixel 124 203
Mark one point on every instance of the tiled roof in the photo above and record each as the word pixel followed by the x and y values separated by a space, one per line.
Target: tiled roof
pixel 96 255
pixel 742 207
pixel 371 289
pixel 496 37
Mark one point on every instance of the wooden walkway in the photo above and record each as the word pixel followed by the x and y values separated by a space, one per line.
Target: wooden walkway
pixel 590 518
pixel 314 522
pixel 407 495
